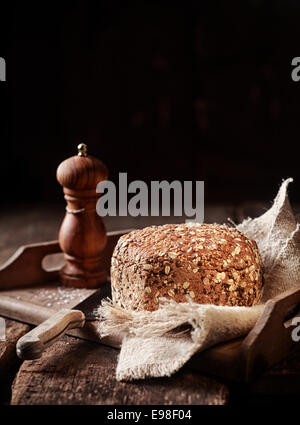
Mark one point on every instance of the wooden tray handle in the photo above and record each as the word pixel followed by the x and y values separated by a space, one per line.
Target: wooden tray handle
pixel 271 338
pixel 24 267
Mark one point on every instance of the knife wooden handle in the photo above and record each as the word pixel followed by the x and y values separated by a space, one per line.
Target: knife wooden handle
pixel 32 345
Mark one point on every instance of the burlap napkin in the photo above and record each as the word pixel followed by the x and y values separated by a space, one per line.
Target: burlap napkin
pixel 158 343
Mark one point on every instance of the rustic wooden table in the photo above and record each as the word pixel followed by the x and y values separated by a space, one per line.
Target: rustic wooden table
pixel 74 371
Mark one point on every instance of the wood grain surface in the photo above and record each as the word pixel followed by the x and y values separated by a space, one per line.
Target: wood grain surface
pixel 78 372
pixel 8 358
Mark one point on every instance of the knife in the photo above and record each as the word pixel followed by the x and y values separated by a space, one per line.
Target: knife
pixel 32 345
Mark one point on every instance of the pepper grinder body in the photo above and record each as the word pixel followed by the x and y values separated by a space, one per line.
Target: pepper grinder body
pixel 82 236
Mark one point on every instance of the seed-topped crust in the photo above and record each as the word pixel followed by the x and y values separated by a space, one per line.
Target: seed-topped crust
pixel 210 263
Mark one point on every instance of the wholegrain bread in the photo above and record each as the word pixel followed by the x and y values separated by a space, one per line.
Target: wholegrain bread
pixel 212 264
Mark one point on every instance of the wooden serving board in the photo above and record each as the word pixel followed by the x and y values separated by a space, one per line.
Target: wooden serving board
pixel 35 304
pixel 31 294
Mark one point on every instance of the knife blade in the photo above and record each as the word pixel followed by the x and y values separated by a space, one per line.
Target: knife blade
pixel 89 305
pixel 32 345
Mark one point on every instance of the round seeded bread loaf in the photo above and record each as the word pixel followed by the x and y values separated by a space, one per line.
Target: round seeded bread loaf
pixel 212 264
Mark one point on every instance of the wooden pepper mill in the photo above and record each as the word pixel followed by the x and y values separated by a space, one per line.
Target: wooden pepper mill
pixel 82 236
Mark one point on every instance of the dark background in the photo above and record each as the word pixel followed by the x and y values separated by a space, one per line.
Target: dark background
pixel 161 90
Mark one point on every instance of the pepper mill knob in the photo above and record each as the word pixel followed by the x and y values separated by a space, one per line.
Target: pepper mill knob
pixel 82 149
pixel 82 236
